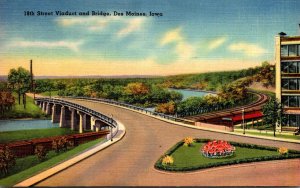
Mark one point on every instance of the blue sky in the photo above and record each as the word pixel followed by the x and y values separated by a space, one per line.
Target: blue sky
pixel 191 36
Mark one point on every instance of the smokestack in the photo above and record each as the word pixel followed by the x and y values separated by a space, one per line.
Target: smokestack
pixel 31 76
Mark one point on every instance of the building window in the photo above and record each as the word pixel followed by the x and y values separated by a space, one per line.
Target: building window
pixel 290 67
pixel 290 101
pixel 292 50
pixel 293 84
pixel 285 67
pixel 285 84
pixel 284 50
pixel 292 120
pixel 293 68
pixel 290 83
pixel 285 101
pixel 293 102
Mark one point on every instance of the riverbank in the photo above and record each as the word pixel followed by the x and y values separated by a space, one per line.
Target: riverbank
pixel 18 111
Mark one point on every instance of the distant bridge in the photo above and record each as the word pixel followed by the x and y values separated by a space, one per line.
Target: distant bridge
pixel 75 116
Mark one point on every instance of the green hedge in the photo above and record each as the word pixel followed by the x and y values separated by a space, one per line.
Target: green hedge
pixel 291 154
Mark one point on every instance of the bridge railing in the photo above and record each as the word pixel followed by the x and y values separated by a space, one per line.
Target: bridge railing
pixel 141 109
pixel 108 120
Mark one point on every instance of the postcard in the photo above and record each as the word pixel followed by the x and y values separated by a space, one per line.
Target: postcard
pixel 149 93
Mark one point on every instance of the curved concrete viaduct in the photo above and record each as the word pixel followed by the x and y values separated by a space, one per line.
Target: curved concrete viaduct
pixel 130 161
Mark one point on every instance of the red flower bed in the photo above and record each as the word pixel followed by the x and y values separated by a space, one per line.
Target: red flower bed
pixel 217 149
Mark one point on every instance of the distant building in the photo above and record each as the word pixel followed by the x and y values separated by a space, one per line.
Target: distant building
pixel 287 59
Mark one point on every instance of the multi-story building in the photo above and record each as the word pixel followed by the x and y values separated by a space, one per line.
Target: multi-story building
pixel 287 59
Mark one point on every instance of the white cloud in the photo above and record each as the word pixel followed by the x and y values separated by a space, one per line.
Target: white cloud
pixel 173 35
pixel 183 49
pixel 252 50
pixel 216 43
pixel 74 46
pixel 132 25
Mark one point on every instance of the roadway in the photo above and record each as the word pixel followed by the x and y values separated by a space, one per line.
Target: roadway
pixel 130 161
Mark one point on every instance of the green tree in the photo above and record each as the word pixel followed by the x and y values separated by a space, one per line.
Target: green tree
pixel 191 106
pixel 3 86
pixel 50 88
pixel 136 88
pixel 175 96
pixel 19 80
pixel 273 114
pixel 60 85
pixel 41 85
pixel 266 75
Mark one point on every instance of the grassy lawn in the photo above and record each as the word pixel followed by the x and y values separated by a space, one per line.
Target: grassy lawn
pixel 191 156
pixel 270 134
pixel 29 166
pixel 18 111
pixel 10 136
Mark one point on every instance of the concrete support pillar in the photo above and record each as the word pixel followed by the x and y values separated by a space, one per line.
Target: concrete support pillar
pixel 73 118
pixel 82 121
pixel 41 105
pixel 44 106
pixel 93 123
pixel 55 116
pixel 62 122
pixel 48 109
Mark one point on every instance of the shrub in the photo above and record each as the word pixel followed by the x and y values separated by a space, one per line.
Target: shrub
pixel 70 144
pixel 41 152
pixel 7 159
pixel 283 150
pixel 188 141
pixel 60 144
pixel 167 160
pixel 166 108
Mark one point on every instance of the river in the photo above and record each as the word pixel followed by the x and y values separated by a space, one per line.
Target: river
pixel 13 125
pixel 186 93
